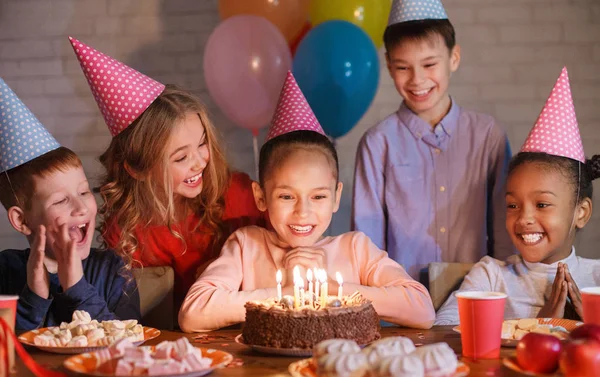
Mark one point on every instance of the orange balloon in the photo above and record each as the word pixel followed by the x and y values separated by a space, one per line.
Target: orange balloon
pixel 289 16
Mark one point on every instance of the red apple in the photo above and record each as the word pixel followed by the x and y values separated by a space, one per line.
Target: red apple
pixel 581 358
pixel 539 353
pixel 589 331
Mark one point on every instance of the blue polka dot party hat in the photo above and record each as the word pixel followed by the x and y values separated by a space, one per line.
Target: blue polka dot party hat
pixel 414 10
pixel 22 136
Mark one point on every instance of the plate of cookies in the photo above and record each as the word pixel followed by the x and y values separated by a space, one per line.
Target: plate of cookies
pixel 83 334
pixel 169 358
pixel 386 357
pixel 515 329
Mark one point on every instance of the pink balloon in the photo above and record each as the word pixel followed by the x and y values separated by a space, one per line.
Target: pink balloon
pixel 245 63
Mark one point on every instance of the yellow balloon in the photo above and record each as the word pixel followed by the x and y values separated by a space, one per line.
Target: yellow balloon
pixel 370 15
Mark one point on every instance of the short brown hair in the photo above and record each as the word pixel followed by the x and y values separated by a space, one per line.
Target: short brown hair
pixel 17 184
pixel 419 30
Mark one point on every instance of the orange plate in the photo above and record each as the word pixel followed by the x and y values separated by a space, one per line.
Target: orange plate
pixel 568 324
pixel 27 339
pixel 511 363
pixel 86 363
pixel 306 368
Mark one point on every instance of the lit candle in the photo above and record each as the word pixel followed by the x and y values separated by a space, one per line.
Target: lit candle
pixel 296 274
pixel 324 293
pixel 340 281
pixel 278 277
pixel 309 277
pixel 301 281
pixel 316 274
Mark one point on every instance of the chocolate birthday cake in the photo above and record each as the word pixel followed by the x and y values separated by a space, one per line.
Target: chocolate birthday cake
pixel 277 323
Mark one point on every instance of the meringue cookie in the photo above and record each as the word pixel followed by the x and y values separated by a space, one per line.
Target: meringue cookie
pixel 335 346
pixel 399 366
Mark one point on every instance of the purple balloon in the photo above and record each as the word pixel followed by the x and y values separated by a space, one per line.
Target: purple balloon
pixel 245 63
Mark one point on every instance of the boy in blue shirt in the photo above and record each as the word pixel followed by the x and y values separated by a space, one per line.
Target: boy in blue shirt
pixel 429 180
pixel 47 198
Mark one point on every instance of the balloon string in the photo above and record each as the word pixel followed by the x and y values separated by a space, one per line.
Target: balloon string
pixel 34 367
pixel 255 145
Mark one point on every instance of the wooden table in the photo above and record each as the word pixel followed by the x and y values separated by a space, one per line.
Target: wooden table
pixel 255 364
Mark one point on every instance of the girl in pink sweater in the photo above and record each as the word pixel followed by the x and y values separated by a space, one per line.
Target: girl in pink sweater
pixel 300 191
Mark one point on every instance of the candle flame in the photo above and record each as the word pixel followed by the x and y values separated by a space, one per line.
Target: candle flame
pixel 338 277
pixel 309 274
pixel 278 276
pixel 296 272
pixel 322 276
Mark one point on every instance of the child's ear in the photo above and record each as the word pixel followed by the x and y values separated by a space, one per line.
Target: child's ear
pixel 584 213
pixel 16 217
pixel 259 197
pixel 388 62
pixel 132 172
pixel 454 58
pixel 338 196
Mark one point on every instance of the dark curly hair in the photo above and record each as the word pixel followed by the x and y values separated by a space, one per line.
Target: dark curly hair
pixel 570 168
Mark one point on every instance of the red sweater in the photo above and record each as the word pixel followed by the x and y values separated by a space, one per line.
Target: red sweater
pixel 158 247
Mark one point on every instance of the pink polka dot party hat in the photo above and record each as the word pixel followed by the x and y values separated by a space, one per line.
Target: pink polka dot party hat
pixel 556 131
pixel 293 113
pixel 122 93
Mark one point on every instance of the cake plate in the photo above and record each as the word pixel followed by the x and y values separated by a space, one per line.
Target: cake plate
pixel 298 352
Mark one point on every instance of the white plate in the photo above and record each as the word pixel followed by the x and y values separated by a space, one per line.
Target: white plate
pixel 299 352
pixel 568 324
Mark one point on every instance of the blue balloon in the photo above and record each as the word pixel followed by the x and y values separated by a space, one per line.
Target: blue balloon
pixel 337 67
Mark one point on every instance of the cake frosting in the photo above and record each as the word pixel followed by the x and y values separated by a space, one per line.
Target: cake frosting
pixel 276 323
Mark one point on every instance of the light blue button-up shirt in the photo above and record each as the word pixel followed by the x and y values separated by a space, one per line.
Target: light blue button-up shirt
pixel 433 195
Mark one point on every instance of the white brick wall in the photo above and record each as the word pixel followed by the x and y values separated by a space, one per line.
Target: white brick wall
pixel 512 52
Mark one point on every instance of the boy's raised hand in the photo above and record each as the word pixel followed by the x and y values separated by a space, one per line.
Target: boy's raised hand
pixel 574 293
pixel 70 268
pixel 555 305
pixel 38 280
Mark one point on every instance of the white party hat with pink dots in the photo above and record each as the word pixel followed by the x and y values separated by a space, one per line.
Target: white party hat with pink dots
pixel 22 136
pixel 415 10
pixel 293 113
pixel 122 93
pixel 556 131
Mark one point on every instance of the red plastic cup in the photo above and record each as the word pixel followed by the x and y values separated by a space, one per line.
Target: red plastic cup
pixel 590 298
pixel 8 312
pixel 481 315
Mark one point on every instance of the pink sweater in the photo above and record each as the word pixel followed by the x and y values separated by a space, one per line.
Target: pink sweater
pixel 251 257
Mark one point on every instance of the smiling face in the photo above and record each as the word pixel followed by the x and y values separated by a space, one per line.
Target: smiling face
pixel 541 214
pixel 421 70
pixel 188 154
pixel 301 194
pixel 64 197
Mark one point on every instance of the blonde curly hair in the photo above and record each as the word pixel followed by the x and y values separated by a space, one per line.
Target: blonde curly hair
pixel 139 152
